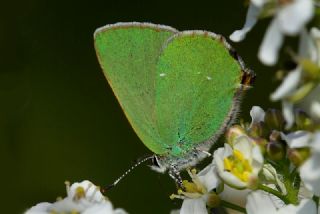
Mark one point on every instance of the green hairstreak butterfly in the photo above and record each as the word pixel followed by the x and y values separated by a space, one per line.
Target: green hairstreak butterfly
pixel 179 90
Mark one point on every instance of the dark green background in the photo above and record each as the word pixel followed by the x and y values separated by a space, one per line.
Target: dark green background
pixel 58 117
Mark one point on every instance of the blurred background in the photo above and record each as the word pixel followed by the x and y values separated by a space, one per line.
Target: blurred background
pixel 59 119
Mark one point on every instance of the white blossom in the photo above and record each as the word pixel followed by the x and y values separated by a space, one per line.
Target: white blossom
pixel 308 49
pixel 198 193
pixel 238 164
pixel 289 19
pixel 84 198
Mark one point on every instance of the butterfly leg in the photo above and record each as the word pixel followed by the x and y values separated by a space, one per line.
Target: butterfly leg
pixel 175 175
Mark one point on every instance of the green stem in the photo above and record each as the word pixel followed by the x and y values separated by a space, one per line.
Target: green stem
pixel 291 182
pixel 273 192
pixel 233 206
pixel 316 200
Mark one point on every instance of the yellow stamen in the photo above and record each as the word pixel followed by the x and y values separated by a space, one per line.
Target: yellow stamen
pixel 238 165
pixel 190 187
pixel 194 171
pixel 238 155
pixel 227 164
pixel 80 193
pixel 172 196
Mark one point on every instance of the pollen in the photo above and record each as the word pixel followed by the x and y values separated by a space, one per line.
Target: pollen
pixel 80 193
pixel 192 189
pixel 237 154
pixel 238 165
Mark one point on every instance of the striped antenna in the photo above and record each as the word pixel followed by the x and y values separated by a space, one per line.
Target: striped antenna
pixel 127 172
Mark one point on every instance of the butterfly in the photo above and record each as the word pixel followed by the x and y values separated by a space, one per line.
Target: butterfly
pixel 179 90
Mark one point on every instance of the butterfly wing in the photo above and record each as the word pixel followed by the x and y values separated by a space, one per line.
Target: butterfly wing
pixel 195 86
pixel 128 54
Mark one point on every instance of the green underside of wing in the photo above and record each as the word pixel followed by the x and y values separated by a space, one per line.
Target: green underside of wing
pixel 195 86
pixel 128 56
pixel 174 95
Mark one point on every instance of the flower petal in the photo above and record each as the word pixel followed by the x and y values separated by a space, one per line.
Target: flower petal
pixel 310 174
pixel 293 17
pixel 232 180
pixel 298 139
pixel 193 206
pixel 315 49
pixel 244 144
pixel 209 177
pixel 259 202
pixel 287 111
pixel 315 144
pixel 259 3
pixel 176 211
pixel 305 206
pixel 41 208
pixel 289 84
pixel 92 191
pixel 257 114
pixel 234 196
pixel 257 159
pixel 272 41
pixel 315 109
pixel 307 48
pixel 251 20
pixel 105 208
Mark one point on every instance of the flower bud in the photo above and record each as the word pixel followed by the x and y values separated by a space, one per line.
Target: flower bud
pixel 258 130
pixel 275 150
pixel 261 142
pixel 234 132
pixel 303 121
pixel 275 136
pixel 274 119
pixel 253 182
pixel 298 156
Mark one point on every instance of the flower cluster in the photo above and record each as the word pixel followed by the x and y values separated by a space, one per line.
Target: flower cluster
pixel 289 18
pixel 272 164
pixel 82 198
pixel 261 165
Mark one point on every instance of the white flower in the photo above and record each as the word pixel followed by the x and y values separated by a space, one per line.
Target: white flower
pixel 260 202
pixel 289 19
pixel 238 165
pixel 84 198
pixel 197 195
